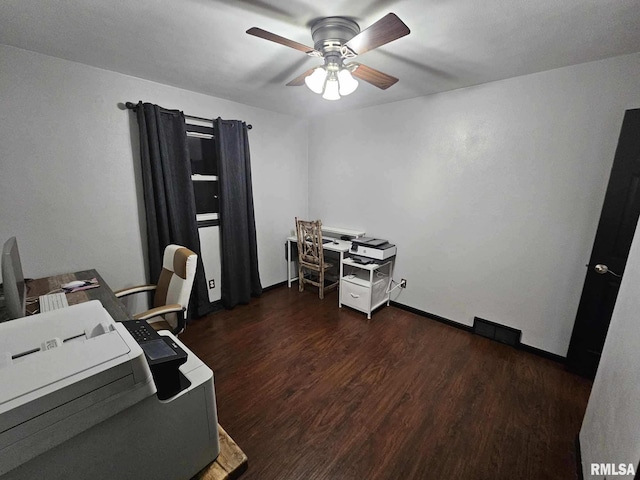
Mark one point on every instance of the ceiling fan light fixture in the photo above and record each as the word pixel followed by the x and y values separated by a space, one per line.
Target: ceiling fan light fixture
pixel 315 81
pixel 337 39
pixel 331 89
pixel 348 84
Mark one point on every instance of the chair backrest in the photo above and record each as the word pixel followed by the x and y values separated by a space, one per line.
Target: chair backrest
pixel 176 279
pixel 309 235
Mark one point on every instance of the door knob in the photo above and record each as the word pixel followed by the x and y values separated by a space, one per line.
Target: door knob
pixel 602 269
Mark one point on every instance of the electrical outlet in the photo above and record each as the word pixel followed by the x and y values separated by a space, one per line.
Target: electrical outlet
pixel 403 283
pixel 212 284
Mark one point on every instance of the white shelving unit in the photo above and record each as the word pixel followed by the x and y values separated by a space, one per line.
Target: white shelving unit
pixel 365 287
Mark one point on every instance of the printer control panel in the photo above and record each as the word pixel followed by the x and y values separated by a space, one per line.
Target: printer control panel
pixel 163 355
pixel 141 331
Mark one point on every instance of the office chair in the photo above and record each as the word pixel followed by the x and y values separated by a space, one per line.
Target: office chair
pixel 171 298
pixel 311 256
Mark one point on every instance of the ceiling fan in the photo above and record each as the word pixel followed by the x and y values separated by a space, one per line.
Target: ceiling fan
pixel 337 39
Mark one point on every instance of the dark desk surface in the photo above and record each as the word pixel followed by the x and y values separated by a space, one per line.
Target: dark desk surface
pixel 42 286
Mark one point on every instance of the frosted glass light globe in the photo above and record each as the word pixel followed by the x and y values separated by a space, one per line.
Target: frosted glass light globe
pixel 315 81
pixel 348 84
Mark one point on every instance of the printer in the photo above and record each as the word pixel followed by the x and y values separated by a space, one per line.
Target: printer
pixel 78 400
pixel 375 248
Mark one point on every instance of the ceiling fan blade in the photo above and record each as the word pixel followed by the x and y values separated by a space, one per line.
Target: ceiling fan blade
pixel 299 80
pixel 260 33
pixel 385 30
pixel 372 76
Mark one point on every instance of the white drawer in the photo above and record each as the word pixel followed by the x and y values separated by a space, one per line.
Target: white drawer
pixel 355 296
pixel 379 292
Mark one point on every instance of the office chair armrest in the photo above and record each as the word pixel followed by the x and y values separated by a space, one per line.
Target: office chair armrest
pixel 131 290
pixel 164 309
pixel 154 312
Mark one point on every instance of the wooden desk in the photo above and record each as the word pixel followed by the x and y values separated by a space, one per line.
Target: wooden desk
pixel 42 286
pixel 231 461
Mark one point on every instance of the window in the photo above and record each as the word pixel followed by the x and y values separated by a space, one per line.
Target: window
pixel 204 169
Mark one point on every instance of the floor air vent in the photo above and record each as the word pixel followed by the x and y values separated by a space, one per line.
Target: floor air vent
pixel 497 332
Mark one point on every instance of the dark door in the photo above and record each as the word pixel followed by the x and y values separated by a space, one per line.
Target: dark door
pixel 617 225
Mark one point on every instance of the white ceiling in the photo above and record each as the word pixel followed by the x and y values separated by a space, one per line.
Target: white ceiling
pixel 201 45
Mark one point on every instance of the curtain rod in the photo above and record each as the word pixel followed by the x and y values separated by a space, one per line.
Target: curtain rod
pixel 133 106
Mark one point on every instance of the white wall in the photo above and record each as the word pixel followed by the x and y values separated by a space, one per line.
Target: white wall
pixel 610 430
pixel 69 174
pixel 210 243
pixel 491 193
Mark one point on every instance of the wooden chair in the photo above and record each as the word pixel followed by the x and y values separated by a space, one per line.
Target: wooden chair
pixel 311 256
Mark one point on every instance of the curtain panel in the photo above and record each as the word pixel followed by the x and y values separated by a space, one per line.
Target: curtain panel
pixel 168 194
pixel 239 253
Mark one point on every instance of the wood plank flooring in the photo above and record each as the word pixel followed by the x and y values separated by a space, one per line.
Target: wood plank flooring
pixel 310 391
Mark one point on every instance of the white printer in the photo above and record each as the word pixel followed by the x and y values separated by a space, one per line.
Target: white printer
pixel 78 400
pixel 372 248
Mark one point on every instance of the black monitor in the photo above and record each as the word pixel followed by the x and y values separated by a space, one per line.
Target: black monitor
pixel 13 280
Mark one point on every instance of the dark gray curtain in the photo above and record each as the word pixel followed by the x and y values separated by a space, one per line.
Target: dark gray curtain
pixel 168 194
pixel 239 252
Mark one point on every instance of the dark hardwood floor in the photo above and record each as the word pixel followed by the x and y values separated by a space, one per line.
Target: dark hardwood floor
pixel 310 391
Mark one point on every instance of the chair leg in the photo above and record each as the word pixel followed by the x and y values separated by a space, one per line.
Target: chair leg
pixel 300 280
pixel 321 284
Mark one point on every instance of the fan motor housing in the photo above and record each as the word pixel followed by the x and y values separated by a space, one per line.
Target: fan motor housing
pixel 332 32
